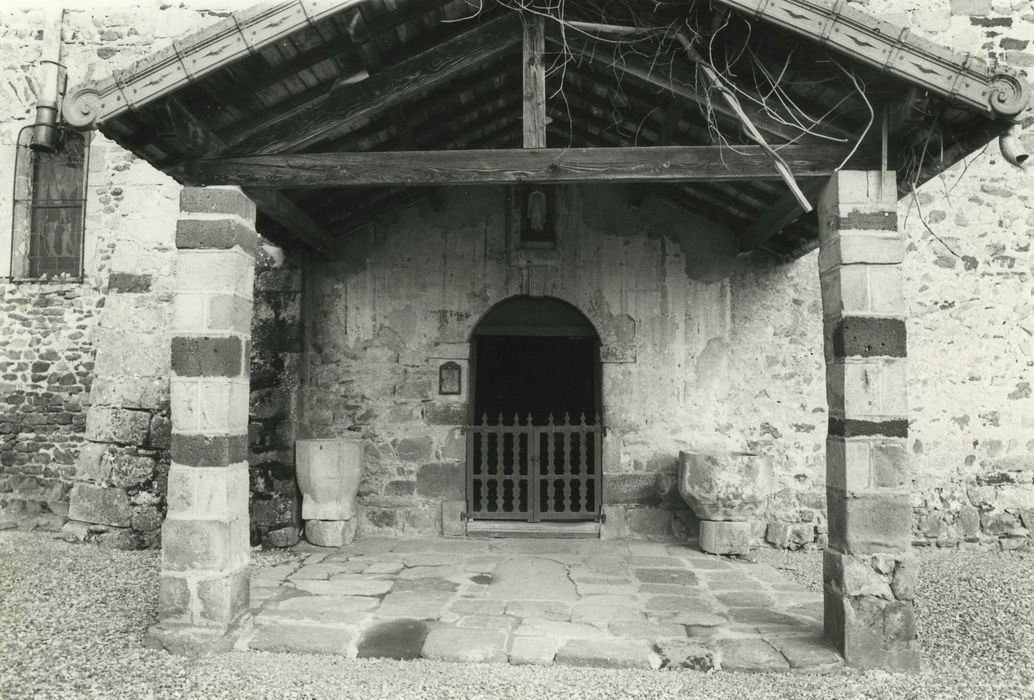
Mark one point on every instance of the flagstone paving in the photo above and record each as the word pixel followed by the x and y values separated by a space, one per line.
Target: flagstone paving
pixel 543 602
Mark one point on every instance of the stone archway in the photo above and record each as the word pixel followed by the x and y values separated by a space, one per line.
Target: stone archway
pixel 534 449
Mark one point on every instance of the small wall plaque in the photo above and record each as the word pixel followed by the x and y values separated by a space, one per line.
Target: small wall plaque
pixel 450 378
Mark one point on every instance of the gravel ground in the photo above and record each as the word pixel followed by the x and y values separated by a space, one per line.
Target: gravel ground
pixel 72 620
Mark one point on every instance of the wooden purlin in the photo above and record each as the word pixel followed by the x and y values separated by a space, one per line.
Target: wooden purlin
pixel 890 48
pixel 192 58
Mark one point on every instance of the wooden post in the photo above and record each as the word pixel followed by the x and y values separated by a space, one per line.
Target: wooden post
pixel 534 82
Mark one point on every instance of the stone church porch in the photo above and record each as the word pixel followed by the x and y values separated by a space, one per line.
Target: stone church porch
pixel 539 601
pixel 313 177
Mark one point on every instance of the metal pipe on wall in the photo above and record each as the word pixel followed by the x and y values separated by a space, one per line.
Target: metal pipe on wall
pixel 45 132
pixel 1012 148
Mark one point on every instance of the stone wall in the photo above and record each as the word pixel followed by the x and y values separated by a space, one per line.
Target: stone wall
pixel 276 352
pixel 46 369
pixel 968 278
pixel 410 288
pixel 119 313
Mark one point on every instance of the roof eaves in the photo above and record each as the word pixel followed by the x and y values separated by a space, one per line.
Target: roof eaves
pixel 999 92
pixel 193 57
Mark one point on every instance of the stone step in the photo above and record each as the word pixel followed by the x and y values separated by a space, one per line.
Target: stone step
pixel 511 528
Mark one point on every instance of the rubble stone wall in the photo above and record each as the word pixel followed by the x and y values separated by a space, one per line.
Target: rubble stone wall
pixel 276 354
pixel 46 369
pixel 116 317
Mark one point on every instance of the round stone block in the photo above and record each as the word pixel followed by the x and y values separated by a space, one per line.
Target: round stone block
pixel 330 533
pixel 725 537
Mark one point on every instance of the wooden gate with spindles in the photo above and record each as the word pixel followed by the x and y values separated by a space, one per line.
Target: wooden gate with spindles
pixel 521 471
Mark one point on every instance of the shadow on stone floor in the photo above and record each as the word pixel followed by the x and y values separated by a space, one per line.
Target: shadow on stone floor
pixel 575 602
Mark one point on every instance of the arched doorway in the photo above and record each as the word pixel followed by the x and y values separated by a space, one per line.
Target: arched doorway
pixel 534 444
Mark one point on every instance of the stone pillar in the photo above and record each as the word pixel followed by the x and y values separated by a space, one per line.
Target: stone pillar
pixel 868 573
pixel 203 592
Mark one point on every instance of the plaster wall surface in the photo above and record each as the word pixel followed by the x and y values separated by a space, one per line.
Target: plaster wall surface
pixel 410 289
pixel 744 354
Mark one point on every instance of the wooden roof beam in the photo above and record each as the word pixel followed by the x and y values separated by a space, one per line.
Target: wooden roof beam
pixel 534 68
pixel 777 217
pixel 1001 93
pixel 195 139
pixel 409 11
pixel 374 63
pixel 192 58
pixel 676 80
pixel 348 103
pixel 655 164
pixel 248 89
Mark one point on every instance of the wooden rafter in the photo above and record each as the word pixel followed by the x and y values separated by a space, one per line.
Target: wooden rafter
pixel 389 21
pixel 476 131
pixel 195 139
pixel 656 164
pixel 776 218
pixel 189 60
pixel 705 195
pixel 672 125
pixel 892 49
pixel 254 84
pixel 371 56
pixel 674 79
pixel 349 103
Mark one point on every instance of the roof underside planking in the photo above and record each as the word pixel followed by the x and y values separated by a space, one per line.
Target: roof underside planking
pixel 349 79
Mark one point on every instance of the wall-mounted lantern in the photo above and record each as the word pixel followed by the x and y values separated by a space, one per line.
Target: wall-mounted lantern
pixel 450 379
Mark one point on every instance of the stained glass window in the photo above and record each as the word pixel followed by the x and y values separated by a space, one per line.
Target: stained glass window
pixel 50 195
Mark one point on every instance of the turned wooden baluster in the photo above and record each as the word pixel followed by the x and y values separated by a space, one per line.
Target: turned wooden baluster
pixel 581 486
pixel 516 470
pixel 549 466
pixel 500 463
pixel 568 482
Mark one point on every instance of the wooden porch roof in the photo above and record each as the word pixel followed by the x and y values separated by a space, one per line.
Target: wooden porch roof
pixel 332 83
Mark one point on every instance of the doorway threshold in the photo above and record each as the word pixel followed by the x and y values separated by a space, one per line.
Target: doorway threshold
pixel 517 529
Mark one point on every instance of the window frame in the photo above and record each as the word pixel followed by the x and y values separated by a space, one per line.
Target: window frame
pixel 25 208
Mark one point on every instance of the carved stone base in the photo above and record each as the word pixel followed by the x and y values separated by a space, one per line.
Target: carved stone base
pixel 725 537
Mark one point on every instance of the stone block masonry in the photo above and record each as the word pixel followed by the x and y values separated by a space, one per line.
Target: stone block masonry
pixel 46 370
pixel 868 575
pixel 203 589
pixel 118 498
